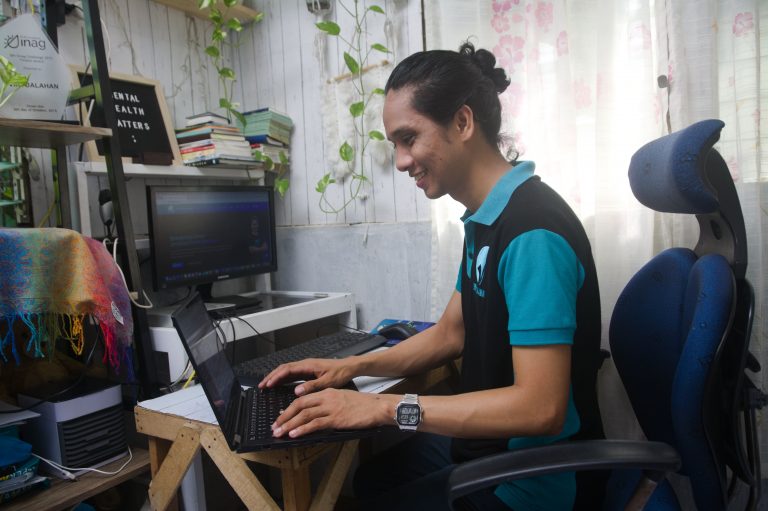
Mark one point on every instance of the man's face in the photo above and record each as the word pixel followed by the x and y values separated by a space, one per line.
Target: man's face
pixel 423 148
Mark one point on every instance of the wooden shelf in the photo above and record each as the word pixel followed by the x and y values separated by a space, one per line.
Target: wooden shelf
pixel 46 135
pixel 244 14
pixel 175 171
pixel 65 494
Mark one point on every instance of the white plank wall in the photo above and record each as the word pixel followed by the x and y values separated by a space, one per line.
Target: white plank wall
pixel 276 66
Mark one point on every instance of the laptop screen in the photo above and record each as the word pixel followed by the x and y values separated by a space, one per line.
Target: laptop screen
pixel 204 349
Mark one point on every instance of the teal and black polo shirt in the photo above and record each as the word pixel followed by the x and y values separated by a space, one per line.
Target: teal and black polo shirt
pixel 527 278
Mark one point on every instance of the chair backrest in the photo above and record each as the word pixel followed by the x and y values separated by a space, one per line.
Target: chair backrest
pixel 672 325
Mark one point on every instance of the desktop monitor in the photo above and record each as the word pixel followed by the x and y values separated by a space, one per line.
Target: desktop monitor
pixel 204 234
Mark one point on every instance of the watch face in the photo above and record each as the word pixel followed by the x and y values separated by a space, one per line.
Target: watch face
pixel 408 415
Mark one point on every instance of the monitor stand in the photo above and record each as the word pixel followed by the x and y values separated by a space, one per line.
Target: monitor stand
pixel 250 302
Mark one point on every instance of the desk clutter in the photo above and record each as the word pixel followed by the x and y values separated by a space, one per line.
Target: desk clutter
pixel 59 288
pixel 18 467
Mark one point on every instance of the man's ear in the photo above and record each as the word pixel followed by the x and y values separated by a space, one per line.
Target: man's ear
pixel 464 121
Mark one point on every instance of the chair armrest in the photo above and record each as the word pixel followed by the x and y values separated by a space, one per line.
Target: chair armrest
pixel 656 457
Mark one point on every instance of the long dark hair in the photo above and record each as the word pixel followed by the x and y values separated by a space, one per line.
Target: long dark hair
pixel 444 80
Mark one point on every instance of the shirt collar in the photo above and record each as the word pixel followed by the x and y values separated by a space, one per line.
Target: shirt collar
pixel 497 200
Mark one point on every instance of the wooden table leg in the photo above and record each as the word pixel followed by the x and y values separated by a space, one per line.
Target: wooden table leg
pixel 236 471
pixel 158 450
pixel 297 489
pixel 172 466
pixel 330 486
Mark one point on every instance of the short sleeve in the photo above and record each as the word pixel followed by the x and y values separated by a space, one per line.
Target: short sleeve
pixel 540 276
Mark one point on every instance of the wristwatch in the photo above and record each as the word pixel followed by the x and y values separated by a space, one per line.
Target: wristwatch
pixel 408 413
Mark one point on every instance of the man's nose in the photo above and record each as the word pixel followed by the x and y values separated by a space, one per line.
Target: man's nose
pixel 403 160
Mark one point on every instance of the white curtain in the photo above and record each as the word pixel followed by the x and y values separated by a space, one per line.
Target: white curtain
pixel 585 95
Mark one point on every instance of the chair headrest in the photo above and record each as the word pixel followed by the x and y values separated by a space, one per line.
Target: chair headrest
pixel 682 173
pixel 668 174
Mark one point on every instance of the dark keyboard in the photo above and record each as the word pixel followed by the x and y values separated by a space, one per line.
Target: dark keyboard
pixel 336 345
pixel 266 408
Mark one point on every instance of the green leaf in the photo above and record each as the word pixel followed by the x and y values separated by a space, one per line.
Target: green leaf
pixel 257 155
pixel 204 4
pixel 283 157
pixel 346 152
pixel 18 80
pixel 234 24
pixel 227 72
pixel 323 183
pixel 377 91
pixel 352 64
pixel 380 47
pixel 361 177
pixel 329 27
pixel 268 163
pixel 218 35
pixel 376 135
pixel 240 117
pixel 357 109
pixel 257 18
pixel 230 3
pixel 213 52
pixel 225 103
pixel 376 8
pixel 215 16
pixel 281 185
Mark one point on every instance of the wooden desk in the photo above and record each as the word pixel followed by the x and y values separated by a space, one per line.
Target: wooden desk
pixel 174 440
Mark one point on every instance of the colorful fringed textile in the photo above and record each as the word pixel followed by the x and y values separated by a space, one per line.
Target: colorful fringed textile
pixel 52 280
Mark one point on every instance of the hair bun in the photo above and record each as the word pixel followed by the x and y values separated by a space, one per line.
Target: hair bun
pixel 486 61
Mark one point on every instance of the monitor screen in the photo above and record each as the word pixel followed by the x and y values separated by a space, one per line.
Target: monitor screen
pixel 204 234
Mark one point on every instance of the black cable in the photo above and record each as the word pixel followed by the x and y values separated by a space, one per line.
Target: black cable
pixel 65 390
pixel 354 329
pixel 234 344
pixel 189 293
pixel 230 317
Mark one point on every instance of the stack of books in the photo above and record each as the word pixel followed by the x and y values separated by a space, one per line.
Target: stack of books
pixel 269 133
pixel 18 467
pixel 209 139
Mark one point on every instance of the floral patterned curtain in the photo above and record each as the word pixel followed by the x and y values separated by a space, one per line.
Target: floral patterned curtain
pixel 592 81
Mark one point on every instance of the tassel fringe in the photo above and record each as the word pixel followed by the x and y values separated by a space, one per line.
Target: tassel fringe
pixel 44 329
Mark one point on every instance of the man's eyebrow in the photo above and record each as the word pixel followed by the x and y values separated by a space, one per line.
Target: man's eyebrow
pixel 399 132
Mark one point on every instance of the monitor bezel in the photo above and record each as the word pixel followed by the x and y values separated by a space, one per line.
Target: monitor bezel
pixel 152 191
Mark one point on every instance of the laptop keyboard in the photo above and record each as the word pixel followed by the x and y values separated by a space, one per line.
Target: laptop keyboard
pixel 266 408
pixel 335 345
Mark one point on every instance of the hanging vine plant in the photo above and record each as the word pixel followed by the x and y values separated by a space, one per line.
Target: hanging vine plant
pixel 356 59
pixel 221 25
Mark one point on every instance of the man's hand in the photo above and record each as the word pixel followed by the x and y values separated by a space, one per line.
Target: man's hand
pixel 320 374
pixel 334 409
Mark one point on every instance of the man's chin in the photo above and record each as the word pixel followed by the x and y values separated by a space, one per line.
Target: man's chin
pixel 433 194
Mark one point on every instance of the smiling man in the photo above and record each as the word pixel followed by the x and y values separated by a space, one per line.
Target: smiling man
pixel 525 316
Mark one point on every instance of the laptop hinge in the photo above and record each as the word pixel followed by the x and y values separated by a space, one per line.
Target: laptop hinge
pixel 237 438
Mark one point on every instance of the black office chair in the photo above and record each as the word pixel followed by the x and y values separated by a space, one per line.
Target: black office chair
pixel 679 335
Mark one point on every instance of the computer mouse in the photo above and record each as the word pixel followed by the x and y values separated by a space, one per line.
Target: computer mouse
pixel 398 331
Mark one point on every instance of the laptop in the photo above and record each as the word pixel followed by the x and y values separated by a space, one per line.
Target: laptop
pixel 244 415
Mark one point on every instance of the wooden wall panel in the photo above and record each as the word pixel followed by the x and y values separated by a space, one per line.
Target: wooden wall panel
pixel 277 66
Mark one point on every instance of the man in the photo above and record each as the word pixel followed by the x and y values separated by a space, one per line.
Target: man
pixel 527 292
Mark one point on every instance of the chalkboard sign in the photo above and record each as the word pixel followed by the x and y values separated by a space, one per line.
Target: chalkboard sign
pixel 143 121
